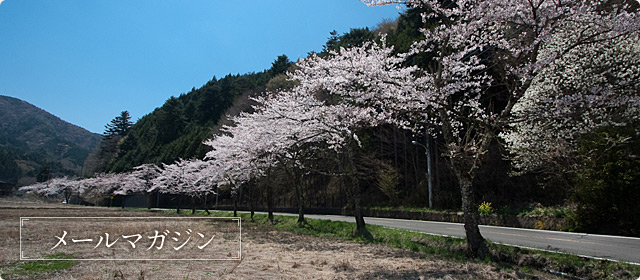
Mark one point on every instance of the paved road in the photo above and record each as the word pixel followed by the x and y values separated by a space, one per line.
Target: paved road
pixel 617 248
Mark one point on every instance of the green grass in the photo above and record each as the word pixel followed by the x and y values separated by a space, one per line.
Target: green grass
pixel 453 249
pixel 409 209
pixel 526 211
pixel 448 248
pixel 34 268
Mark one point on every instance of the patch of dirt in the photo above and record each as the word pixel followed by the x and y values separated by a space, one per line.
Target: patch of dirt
pixel 266 254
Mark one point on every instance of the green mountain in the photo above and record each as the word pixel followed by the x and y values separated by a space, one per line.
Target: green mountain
pixel 178 128
pixel 33 142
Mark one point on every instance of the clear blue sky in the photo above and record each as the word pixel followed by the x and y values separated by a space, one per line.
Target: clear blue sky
pixel 85 61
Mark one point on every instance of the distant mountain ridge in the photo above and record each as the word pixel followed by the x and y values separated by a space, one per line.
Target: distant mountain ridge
pixel 33 141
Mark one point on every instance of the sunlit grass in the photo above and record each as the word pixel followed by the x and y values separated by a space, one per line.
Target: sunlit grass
pixel 34 268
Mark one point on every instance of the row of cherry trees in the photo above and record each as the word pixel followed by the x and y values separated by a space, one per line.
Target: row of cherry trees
pixel 190 178
pixel 528 73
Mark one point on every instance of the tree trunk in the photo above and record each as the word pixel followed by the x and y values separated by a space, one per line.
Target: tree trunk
pixel 465 170
pixel 235 205
pixel 217 194
pixel 251 190
pixel 206 204
pixel 361 228
pixel 356 196
pixel 476 246
pixel 269 202
pixel 157 199
pixel 148 195
pixel 179 201
pixel 436 166
pixel 300 199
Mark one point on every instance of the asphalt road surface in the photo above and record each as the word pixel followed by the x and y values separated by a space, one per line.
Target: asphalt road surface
pixel 618 248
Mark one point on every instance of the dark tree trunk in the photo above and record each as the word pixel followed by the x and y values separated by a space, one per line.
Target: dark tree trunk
pixel 361 228
pixel 476 246
pixel 465 170
pixel 217 194
pixel 148 195
pixel 356 195
pixel 300 200
pixel 206 204
pixel 235 205
pixel 395 148
pixel 269 202
pixel 251 206
pixel 158 199
pixel 179 202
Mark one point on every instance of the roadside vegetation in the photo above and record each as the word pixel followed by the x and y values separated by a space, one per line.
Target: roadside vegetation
pixel 523 261
pixel 530 210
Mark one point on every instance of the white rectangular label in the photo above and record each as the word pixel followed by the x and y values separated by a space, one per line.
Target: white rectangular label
pixel 130 238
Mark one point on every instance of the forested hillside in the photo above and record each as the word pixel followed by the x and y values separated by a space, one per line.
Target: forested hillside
pixel 36 143
pixel 178 128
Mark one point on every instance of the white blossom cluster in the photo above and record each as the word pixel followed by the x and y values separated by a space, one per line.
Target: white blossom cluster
pixel 190 177
pixel 591 86
pixel 566 67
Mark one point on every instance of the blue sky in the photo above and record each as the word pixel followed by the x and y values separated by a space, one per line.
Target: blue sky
pixel 85 61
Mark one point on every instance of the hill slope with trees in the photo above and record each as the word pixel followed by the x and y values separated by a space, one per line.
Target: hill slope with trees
pixel 177 129
pixel 36 143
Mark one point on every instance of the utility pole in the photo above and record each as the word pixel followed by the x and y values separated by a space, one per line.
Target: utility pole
pixel 427 153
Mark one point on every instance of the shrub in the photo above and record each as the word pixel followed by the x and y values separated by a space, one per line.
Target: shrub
pixel 608 182
pixel 485 208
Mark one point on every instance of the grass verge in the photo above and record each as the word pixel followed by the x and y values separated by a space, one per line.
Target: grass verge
pixel 449 248
pixel 34 268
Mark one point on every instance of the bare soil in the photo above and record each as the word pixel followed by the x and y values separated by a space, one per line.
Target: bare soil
pixel 266 254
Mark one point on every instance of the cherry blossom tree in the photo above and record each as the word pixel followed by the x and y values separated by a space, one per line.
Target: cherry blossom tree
pixel 257 141
pixel 99 186
pixel 352 89
pixel 141 180
pixel 237 154
pixel 197 181
pixel 285 130
pixel 103 185
pixel 53 188
pixel 592 86
pixel 486 55
pixel 184 178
